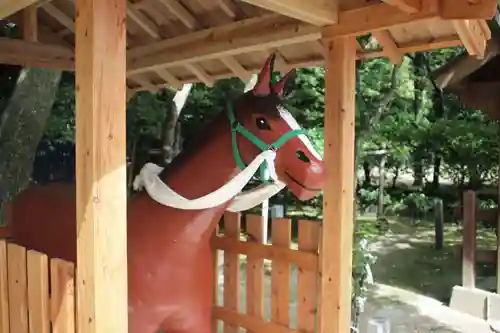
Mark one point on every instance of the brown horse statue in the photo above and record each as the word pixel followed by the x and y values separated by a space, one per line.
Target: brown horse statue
pixel 170 271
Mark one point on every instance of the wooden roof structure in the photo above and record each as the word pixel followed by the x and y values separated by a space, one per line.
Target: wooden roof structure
pixel 475 81
pixel 171 42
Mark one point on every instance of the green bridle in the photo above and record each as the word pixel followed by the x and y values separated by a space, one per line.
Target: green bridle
pixel 237 127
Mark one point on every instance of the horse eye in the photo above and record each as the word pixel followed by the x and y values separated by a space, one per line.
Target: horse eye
pixel 262 123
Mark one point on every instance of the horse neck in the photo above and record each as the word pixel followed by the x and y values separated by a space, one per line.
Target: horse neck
pixel 204 166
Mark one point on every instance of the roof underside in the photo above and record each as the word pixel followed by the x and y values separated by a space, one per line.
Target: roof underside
pixel 172 42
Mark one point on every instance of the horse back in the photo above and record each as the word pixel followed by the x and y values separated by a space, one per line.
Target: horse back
pixel 44 219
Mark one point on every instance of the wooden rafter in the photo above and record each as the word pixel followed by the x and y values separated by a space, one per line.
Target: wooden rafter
pixel 236 68
pixel 407 6
pixel 59 16
pixel 142 21
pixel 316 12
pixel 201 74
pixel 176 8
pixel 390 48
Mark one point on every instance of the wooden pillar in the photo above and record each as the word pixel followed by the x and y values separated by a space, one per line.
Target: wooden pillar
pixel 101 281
pixel 338 196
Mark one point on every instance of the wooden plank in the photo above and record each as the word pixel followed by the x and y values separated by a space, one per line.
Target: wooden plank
pixel 38 292
pixel 231 269
pixel 302 260
pixel 307 290
pixel 255 269
pixel 101 196
pixel 62 300
pixel 18 292
pixel 4 289
pixel 336 242
pixel 469 240
pixel 315 12
pixel 281 233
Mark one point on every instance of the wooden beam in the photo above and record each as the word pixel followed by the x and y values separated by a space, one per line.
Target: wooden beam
pixel 406 6
pixel 472 35
pixel 101 279
pixel 268 31
pixel 415 46
pixel 315 12
pixel 9 7
pixel 382 16
pixel 33 54
pixel 390 47
pixel 334 312
pixel 466 10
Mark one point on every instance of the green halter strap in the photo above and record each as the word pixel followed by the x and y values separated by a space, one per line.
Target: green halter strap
pixel 237 127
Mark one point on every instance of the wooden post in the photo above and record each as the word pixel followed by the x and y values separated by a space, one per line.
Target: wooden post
pixel 101 277
pixel 469 240
pixel 336 241
pixel 438 224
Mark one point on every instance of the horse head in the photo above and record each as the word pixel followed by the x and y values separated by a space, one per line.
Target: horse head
pixel 262 121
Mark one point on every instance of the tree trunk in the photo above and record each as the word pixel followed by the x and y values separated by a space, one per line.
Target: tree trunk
pixel 366 170
pixel 22 126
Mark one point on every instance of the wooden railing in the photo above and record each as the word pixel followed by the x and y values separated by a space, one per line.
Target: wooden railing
pixel 281 293
pixel 36 293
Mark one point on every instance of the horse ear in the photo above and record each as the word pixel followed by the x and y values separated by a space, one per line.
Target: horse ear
pixel 279 87
pixel 263 85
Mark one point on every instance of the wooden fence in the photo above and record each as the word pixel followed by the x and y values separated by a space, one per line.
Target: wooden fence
pixel 281 292
pixel 36 293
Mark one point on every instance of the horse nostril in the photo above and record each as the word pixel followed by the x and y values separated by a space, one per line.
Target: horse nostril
pixel 302 156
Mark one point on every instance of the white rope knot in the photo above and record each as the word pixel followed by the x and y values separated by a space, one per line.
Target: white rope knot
pixel 161 193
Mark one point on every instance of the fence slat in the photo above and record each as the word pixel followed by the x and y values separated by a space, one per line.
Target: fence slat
pixel 303 260
pixel 18 295
pixel 4 289
pixel 307 290
pixel 232 223
pixel 38 292
pixel 62 300
pixel 255 269
pixel 280 274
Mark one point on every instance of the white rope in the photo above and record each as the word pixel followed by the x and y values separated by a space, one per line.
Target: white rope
pixel 161 193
